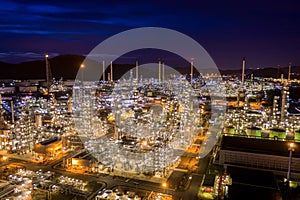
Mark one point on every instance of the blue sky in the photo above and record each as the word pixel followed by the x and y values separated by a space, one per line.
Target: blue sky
pixel 266 32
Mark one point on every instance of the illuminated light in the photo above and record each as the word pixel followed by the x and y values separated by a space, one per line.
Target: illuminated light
pixel 74 162
pixel 164 184
pixel 144 143
pixel 82 66
pixel 46 55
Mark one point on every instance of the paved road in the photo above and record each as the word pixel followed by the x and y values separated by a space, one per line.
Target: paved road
pixel 111 182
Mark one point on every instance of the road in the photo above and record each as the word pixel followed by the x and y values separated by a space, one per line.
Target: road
pixel 114 181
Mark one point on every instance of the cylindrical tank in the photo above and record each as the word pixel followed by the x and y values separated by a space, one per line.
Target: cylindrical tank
pixel 253 131
pixel 38 120
pixel 265 133
pixel 277 133
pixel 297 135
pixel 290 136
pixel 70 105
pixel 229 130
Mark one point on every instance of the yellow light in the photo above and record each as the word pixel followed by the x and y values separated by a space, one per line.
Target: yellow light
pixel 164 184
pixel 74 162
pixel 4 158
pixel 292 145
pixel 144 143
pixel 46 55
pixel 82 65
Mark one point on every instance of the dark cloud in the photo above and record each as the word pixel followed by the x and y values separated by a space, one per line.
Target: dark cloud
pixel 24 56
pixel 266 32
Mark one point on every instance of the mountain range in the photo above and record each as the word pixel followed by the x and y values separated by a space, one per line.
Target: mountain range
pixel 66 66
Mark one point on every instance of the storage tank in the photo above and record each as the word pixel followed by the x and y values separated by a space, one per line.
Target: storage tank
pixel 290 136
pixel 229 130
pixel 265 134
pixel 277 133
pixel 253 131
pixel 38 120
pixel 297 135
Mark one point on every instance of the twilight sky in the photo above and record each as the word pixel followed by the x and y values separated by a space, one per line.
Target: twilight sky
pixel 267 33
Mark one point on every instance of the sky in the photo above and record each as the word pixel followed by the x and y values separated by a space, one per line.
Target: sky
pixel 267 33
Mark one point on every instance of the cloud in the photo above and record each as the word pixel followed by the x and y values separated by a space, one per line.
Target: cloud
pixel 228 28
pixel 8 6
pixel 49 9
pixel 16 57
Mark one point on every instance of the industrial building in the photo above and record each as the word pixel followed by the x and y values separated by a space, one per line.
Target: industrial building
pixel 48 148
pixel 269 155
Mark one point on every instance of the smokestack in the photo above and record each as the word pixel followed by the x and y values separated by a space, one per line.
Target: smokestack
pixel 70 105
pixel 243 70
pixel 103 70
pixel 159 75
pixel 12 112
pixel 47 72
pixel 111 71
pixel 192 68
pixel 137 70
pixel 284 103
pixel 163 72
pixel 82 79
pixel 289 74
pixel 38 120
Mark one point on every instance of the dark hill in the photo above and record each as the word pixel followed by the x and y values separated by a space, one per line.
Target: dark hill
pixel 61 66
pixel 66 66
pixel 265 72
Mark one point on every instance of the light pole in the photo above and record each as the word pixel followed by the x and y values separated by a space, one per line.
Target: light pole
pixel 82 66
pixel 165 186
pixel 47 72
pixel 291 149
pixel 192 68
